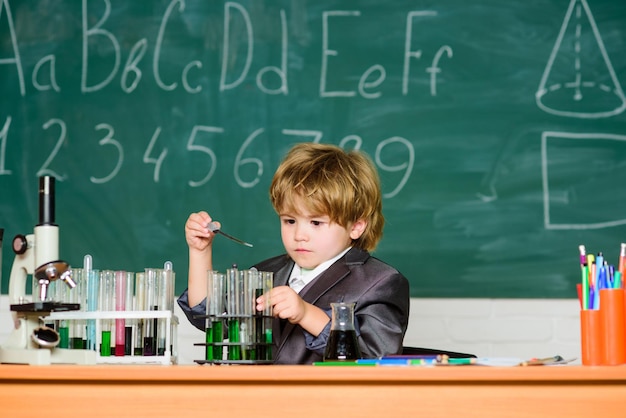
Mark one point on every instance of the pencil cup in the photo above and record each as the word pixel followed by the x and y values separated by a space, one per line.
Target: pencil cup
pixel 624 311
pixel 613 326
pixel 591 338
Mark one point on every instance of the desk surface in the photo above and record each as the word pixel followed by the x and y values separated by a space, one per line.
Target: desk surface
pixel 210 374
pixel 554 391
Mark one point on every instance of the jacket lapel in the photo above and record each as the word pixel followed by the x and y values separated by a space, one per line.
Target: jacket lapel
pixel 325 281
pixel 281 278
pixel 282 275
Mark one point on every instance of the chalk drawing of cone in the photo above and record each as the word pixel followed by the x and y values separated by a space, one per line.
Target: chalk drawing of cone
pixel 579 80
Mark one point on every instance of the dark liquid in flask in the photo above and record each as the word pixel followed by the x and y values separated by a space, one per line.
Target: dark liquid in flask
pixel 342 345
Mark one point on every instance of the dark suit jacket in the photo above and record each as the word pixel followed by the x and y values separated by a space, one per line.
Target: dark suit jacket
pixel 380 292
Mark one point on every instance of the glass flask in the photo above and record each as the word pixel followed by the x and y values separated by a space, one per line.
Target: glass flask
pixel 342 343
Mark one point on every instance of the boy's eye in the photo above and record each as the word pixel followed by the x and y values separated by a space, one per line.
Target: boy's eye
pixel 289 221
pixel 316 223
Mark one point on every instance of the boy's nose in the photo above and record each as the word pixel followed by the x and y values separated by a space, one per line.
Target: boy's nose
pixel 300 234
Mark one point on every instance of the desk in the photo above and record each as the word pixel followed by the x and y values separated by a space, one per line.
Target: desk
pixel 254 391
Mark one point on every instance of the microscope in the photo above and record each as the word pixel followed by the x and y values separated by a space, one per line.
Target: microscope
pixel 37 254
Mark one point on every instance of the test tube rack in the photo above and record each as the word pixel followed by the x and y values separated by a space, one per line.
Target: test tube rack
pixel 234 352
pixel 170 355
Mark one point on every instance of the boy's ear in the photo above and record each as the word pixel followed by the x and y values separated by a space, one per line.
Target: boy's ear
pixel 357 229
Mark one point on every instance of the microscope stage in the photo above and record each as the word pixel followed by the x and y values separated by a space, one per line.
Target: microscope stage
pixel 45 307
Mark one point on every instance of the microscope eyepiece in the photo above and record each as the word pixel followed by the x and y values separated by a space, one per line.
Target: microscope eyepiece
pixel 46 200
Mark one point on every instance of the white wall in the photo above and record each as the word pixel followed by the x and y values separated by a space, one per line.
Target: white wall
pixel 523 328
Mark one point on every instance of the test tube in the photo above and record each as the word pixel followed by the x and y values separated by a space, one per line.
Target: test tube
pixel 215 314
pixel 120 306
pixel 128 326
pixel 233 309
pixel 140 305
pixel 77 296
pixel 150 325
pixel 61 294
pixel 161 305
pixel 169 277
pixel 208 321
pixel 164 302
pixel 259 322
pixel 267 282
pixel 248 307
pixel 93 289
pixel 107 304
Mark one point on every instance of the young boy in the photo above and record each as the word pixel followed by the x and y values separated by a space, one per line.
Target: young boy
pixel 330 208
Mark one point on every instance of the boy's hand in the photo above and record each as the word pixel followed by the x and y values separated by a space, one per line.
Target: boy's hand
pixel 197 234
pixel 285 302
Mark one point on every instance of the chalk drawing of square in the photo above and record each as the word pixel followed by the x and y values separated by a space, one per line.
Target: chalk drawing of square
pixel 584 180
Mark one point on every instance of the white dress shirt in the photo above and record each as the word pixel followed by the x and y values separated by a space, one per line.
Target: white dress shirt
pixel 301 277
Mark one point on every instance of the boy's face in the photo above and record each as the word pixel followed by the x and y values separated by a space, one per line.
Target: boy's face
pixel 310 239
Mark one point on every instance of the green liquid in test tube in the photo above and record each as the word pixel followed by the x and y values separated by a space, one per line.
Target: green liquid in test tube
pixel 268 340
pixel 78 343
pixel 64 335
pixel 208 339
pixel 234 349
pixel 105 345
pixel 217 332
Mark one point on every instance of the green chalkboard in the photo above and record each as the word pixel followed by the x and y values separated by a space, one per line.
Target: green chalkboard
pixel 498 128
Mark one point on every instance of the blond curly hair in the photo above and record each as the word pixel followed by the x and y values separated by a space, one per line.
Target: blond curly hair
pixel 343 185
